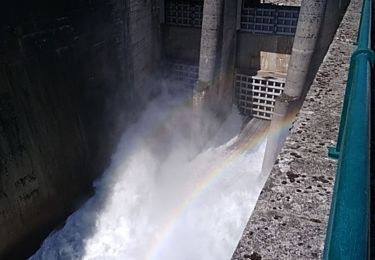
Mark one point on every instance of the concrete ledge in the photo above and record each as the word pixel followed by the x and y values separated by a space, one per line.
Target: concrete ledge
pixel 284 2
pixel 291 215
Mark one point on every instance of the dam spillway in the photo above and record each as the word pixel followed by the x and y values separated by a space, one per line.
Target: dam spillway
pixel 161 199
pixel 174 88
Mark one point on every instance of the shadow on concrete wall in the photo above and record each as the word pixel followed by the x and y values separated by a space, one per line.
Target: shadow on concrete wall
pixel 61 72
pixel 257 52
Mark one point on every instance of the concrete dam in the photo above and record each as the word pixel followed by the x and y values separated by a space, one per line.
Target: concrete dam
pixel 181 129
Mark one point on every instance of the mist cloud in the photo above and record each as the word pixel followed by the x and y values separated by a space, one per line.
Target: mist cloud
pixel 167 193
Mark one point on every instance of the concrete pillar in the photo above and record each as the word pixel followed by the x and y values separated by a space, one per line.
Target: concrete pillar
pixel 277 133
pixel 225 87
pixel 306 39
pixel 239 11
pixel 209 51
pixel 309 24
pixel 206 90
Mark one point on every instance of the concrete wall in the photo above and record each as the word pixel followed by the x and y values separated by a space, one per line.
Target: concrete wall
pixel 263 52
pixel 334 12
pixel 144 45
pixel 181 43
pixel 291 215
pixel 253 51
pixel 65 73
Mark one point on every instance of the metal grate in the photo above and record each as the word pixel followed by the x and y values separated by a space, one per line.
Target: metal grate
pixel 264 19
pixel 258 20
pixel 183 73
pixel 287 21
pixel 256 95
pixel 197 14
pixel 270 20
pixel 184 13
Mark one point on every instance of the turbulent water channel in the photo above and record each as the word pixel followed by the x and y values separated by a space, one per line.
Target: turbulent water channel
pixel 166 195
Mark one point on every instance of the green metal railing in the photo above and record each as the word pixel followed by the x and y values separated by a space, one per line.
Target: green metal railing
pixel 348 228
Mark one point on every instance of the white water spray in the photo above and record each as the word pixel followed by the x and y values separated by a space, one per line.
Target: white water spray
pixel 160 198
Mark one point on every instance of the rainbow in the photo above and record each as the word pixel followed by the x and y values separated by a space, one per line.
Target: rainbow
pixel 214 172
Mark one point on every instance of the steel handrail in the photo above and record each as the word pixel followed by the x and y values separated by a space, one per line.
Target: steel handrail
pixel 348 227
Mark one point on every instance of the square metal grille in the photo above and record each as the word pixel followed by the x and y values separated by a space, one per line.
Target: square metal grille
pixel 187 75
pixel 256 95
pixel 270 20
pixel 258 20
pixel 263 19
pixel 184 13
pixel 287 21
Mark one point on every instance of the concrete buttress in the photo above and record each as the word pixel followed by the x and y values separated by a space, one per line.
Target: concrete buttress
pixel 310 22
pixel 209 51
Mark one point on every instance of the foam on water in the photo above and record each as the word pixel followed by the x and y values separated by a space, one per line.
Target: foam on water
pixel 161 198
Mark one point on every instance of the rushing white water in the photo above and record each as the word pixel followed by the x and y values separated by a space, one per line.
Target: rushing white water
pixel 160 198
